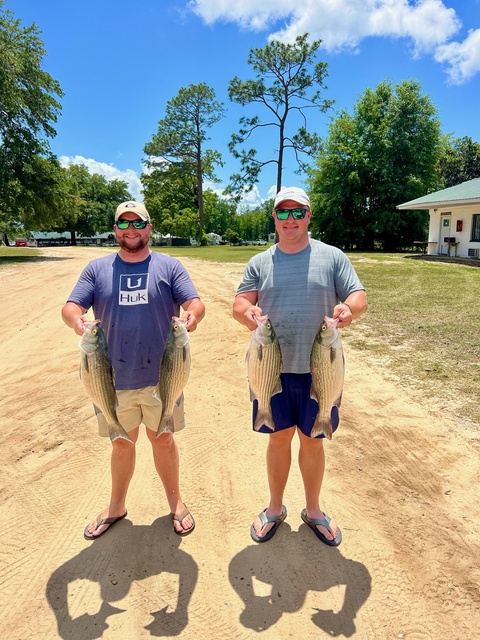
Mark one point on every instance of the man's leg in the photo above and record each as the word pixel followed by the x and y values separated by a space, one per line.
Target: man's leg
pixel 165 456
pixel 122 466
pixel 279 458
pixel 311 460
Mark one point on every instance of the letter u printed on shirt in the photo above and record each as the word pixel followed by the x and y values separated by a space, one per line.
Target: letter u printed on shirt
pixel 133 289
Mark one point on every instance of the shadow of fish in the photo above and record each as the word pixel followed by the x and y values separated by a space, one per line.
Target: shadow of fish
pixel 264 363
pixel 327 367
pixel 174 372
pixel 96 374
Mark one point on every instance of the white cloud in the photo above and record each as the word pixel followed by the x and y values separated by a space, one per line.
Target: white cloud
pixel 251 199
pixel 429 25
pixel 463 58
pixel 109 171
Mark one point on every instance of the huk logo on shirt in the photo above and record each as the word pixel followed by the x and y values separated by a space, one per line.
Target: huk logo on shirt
pixel 133 289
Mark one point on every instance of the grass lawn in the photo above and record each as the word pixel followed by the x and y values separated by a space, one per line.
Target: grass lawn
pixel 422 324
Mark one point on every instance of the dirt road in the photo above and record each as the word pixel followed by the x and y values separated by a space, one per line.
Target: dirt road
pixel 402 482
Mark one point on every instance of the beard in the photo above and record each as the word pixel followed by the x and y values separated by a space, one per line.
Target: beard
pixel 132 245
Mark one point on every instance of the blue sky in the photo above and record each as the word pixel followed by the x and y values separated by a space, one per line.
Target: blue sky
pixel 120 62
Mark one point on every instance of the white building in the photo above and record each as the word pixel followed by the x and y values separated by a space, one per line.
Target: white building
pixel 454 228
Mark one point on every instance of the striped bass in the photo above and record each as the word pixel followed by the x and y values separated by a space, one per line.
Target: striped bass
pixel 264 363
pixel 174 372
pixel 96 374
pixel 327 368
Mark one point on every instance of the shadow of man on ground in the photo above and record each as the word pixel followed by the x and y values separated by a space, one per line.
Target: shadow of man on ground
pixel 127 554
pixel 293 563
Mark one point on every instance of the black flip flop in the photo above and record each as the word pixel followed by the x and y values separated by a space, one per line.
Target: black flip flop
pixel 324 522
pixel 277 520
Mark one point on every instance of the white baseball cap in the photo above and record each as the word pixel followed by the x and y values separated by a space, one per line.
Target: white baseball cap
pixel 292 193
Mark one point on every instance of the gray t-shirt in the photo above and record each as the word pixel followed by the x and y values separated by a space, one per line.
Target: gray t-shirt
pixel 135 302
pixel 297 290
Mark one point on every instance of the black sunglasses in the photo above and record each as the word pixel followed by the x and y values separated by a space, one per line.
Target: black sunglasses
pixel 297 214
pixel 136 224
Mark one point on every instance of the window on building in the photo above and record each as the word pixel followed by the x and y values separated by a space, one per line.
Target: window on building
pixel 475 228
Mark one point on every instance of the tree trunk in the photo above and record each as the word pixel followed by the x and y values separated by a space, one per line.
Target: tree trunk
pixel 200 191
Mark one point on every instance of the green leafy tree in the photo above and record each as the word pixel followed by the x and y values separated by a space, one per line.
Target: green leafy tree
pixel 90 202
pixel 29 108
pixel 285 74
pixel 220 214
pixel 170 195
pixel 231 236
pixel 385 154
pixel 182 134
pixel 460 161
pixel 254 224
pixel 38 199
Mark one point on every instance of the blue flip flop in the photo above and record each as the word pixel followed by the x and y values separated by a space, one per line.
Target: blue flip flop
pixel 324 522
pixel 277 520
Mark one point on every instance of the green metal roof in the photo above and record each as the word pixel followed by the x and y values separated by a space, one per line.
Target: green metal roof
pixel 464 193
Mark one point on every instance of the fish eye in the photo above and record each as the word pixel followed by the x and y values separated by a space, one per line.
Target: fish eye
pixel 324 326
pixel 94 331
pixel 269 325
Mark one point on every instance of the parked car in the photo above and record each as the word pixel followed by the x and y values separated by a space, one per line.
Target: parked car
pixel 21 242
pixel 260 242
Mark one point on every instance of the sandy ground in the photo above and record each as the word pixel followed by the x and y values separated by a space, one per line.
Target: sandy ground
pixel 402 481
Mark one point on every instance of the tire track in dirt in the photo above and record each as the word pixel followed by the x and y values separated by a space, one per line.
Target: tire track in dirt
pixel 402 481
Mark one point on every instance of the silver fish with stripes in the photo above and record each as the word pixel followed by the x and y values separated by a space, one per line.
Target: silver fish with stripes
pixel 174 372
pixel 327 366
pixel 96 373
pixel 264 363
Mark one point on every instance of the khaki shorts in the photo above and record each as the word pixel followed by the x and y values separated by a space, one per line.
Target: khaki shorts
pixel 137 406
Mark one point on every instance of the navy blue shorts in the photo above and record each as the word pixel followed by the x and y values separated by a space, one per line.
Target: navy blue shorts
pixel 293 406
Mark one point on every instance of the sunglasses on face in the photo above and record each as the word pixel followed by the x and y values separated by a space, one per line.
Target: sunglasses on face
pixel 297 214
pixel 136 224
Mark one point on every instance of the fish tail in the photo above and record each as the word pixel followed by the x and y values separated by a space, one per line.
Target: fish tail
pixel 264 417
pixel 166 425
pixel 116 431
pixel 322 426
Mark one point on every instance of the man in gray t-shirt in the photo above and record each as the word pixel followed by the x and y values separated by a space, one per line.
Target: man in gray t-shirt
pixel 135 293
pixel 297 282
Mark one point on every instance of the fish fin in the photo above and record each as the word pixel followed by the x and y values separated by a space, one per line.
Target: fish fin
pixel 166 425
pixel 264 417
pixel 313 395
pixel 278 388
pixel 322 426
pixel 156 393
pixel 179 400
pixel 116 431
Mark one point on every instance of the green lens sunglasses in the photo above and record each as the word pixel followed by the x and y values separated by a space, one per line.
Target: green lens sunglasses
pixel 297 214
pixel 136 224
